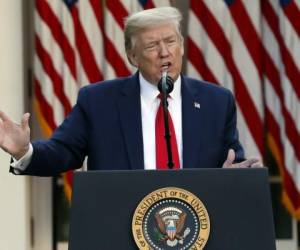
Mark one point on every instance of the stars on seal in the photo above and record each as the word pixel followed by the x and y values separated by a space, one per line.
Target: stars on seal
pixel 170 229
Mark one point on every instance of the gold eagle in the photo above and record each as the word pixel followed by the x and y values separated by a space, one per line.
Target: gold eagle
pixel 179 224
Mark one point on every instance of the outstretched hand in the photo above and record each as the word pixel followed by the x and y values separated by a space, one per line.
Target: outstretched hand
pixel 14 138
pixel 252 162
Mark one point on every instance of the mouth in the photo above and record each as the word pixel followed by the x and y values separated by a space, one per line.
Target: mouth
pixel 165 66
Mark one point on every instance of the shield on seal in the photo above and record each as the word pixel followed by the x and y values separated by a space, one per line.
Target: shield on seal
pixel 171 229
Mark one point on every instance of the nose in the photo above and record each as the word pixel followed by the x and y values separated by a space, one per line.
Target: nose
pixel 164 50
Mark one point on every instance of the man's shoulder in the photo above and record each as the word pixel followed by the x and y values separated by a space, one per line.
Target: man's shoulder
pixel 205 87
pixel 110 89
pixel 107 85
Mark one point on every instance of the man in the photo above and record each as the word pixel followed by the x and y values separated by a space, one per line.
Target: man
pixel 113 123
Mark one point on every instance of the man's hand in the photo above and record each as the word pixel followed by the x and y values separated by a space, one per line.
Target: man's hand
pixel 14 138
pixel 252 162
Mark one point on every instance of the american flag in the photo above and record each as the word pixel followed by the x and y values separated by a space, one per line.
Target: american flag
pixel 77 42
pixel 253 48
pixel 250 47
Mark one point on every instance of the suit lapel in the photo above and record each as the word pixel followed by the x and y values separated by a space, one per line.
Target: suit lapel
pixel 191 124
pixel 129 107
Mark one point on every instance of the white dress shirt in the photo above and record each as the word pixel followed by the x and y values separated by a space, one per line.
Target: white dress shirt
pixel 21 164
pixel 149 107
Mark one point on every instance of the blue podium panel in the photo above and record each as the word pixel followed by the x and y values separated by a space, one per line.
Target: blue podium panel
pixel 237 201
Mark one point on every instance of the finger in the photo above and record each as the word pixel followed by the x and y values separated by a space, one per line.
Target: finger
pixel 248 163
pixel 230 158
pixel 257 165
pixel 25 121
pixel 4 117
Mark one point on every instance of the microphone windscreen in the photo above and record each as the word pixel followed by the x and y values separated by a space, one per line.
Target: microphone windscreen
pixel 169 84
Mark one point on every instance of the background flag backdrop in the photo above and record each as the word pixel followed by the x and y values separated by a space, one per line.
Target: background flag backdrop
pixel 253 48
pixel 250 47
pixel 77 43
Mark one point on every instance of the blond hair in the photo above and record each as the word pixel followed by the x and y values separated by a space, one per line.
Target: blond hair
pixel 142 20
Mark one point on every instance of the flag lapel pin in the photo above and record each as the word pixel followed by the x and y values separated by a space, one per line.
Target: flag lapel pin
pixel 197 105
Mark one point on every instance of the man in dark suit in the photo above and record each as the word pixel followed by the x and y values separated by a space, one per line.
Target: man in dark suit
pixel 113 123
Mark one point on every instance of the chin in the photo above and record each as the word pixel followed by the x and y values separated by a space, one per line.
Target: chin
pixel 173 76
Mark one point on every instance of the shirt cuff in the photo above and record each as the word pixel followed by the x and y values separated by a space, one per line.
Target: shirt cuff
pixel 20 165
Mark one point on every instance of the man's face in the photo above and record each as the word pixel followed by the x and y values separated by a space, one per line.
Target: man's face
pixel 158 49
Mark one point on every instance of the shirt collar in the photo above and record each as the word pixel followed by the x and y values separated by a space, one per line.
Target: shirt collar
pixel 149 92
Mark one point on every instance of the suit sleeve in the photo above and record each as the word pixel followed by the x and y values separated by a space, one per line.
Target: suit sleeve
pixel 67 147
pixel 231 135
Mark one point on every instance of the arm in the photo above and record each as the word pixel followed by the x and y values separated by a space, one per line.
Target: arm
pixel 231 135
pixel 65 150
pixel 233 148
pixel 14 138
pixel 67 147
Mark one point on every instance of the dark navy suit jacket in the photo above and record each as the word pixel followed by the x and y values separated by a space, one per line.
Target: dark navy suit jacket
pixel 106 126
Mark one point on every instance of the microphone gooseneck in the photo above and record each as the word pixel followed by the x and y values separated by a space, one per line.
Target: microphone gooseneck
pixel 165 87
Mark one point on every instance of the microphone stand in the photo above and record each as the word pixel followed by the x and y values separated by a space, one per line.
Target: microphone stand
pixel 166 89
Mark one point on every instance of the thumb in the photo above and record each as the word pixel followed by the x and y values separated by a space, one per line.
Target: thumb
pixel 25 121
pixel 230 158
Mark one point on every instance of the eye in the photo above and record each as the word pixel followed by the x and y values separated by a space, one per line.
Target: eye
pixel 150 46
pixel 172 40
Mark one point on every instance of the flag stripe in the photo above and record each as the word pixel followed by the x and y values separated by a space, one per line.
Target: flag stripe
pixel 245 25
pixel 290 66
pixel 49 44
pixel 149 5
pixel 248 33
pixel 217 70
pixel 111 54
pixel 118 11
pixel 289 185
pixel 44 106
pixel 273 103
pixel 85 52
pixel 217 36
pixel 213 59
pixel 197 59
pixel 54 25
pixel 116 36
pixel 55 77
pixel 274 77
pixel 93 34
pixel 249 72
pixel 292 12
pixel 48 91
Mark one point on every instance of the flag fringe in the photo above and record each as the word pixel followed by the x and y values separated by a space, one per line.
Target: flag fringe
pixel 67 187
pixel 286 201
pixel 47 131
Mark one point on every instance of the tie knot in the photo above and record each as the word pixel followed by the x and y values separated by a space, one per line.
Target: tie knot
pixel 160 96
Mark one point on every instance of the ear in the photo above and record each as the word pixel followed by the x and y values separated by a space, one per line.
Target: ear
pixel 132 58
pixel 182 46
pixel 182 50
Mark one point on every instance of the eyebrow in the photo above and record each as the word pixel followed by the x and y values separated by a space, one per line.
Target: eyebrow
pixel 153 40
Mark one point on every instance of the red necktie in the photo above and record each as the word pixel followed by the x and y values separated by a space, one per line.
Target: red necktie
pixel 161 148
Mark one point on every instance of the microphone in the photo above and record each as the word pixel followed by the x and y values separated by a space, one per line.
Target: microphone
pixel 166 83
pixel 165 87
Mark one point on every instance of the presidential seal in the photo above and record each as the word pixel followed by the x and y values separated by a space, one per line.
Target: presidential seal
pixel 171 218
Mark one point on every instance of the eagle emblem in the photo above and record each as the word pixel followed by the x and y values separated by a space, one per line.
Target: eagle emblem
pixel 170 218
pixel 170 222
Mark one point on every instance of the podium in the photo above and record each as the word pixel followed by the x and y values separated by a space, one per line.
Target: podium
pixel 237 201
